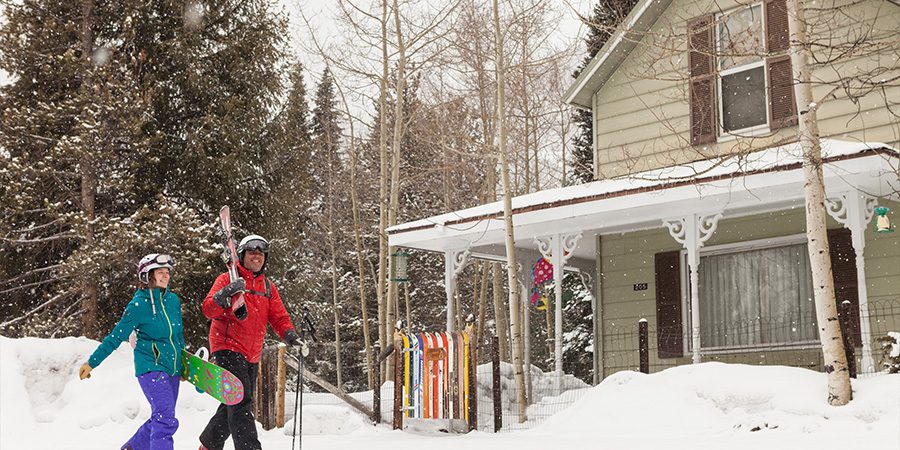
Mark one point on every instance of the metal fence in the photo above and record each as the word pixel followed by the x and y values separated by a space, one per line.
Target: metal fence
pixel 635 347
pixel 778 341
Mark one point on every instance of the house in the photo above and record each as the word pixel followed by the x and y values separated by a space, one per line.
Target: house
pixel 695 220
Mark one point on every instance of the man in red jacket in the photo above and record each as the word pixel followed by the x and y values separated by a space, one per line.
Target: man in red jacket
pixel 236 344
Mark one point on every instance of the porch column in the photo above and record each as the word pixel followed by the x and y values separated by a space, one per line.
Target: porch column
pixel 854 210
pixel 692 231
pixel 557 249
pixel 454 263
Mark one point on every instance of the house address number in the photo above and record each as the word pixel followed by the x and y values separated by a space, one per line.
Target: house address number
pixel 640 287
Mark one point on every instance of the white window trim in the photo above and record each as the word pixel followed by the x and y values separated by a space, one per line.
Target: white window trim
pixel 721 249
pixel 756 130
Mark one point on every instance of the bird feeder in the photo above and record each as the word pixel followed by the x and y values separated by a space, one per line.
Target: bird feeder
pixel 882 222
pixel 399 267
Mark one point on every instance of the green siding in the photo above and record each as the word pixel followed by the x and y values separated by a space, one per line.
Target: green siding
pixel 641 114
pixel 628 258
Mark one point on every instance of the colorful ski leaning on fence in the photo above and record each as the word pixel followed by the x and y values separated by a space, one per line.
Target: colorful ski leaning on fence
pixel 435 374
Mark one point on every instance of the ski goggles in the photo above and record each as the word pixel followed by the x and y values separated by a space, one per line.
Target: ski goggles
pixel 158 261
pixel 256 245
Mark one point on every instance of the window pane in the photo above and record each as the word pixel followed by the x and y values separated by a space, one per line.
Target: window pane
pixel 744 99
pixel 757 298
pixel 740 37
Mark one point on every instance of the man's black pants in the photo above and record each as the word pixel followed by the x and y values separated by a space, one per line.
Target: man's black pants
pixel 235 420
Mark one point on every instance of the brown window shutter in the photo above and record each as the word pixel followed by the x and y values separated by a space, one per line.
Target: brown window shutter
pixel 703 110
pixel 843 268
pixel 782 107
pixel 702 89
pixel 700 57
pixel 669 331
pixel 778 38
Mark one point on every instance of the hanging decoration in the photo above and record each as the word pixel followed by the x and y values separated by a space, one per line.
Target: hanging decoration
pixel 882 222
pixel 541 273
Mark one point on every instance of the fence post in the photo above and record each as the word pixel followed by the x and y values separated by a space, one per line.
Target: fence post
pixel 849 348
pixel 473 381
pixel 643 346
pixel 281 380
pixel 264 397
pixel 376 391
pixel 495 365
pixel 398 383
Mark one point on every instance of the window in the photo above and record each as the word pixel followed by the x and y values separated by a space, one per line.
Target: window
pixel 741 65
pixel 755 296
pixel 741 80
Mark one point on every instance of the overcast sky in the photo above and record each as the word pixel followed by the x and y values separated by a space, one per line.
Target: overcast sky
pixel 321 15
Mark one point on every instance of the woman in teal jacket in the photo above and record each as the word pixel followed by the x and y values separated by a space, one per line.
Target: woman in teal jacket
pixel 155 315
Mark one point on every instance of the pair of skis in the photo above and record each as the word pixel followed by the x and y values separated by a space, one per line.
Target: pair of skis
pixel 230 256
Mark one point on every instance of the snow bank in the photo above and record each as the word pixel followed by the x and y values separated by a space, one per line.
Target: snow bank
pixel 43 406
pixel 734 401
pixel 545 400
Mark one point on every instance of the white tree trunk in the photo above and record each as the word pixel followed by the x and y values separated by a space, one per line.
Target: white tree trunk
pixel 393 210
pixel 360 266
pixel 383 333
pixel 514 302
pixel 835 360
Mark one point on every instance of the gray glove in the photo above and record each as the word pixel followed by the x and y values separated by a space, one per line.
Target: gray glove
pixel 223 297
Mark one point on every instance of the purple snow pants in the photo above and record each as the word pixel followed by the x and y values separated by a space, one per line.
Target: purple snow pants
pixel 161 390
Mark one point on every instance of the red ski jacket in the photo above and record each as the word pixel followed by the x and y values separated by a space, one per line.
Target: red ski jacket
pixel 263 307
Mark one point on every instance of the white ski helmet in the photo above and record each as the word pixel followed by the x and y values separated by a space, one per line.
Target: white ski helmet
pixel 153 261
pixel 254 242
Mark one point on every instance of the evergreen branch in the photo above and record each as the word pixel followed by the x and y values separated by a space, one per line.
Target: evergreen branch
pixel 64 315
pixel 26 286
pixel 38 308
pixel 40 240
pixel 38 227
pixel 29 273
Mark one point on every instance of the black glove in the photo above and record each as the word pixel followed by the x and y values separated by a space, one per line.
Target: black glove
pixel 291 338
pixel 223 297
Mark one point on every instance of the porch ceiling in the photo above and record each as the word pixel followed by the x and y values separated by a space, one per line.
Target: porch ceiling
pixel 767 180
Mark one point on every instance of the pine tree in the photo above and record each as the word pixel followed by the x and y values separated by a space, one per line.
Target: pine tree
pixel 288 172
pixel 605 16
pixel 68 118
pixel 328 173
pixel 170 101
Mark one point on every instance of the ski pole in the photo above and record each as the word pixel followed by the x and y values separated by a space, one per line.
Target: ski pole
pixel 298 398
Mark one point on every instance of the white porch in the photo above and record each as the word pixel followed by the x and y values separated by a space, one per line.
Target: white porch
pixel 688 200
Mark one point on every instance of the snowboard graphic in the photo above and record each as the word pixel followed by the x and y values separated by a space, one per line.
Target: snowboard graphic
pixel 219 383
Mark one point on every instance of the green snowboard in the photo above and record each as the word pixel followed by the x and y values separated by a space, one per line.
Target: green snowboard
pixel 221 384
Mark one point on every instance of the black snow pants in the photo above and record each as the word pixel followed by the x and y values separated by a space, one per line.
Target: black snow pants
pixel 236 420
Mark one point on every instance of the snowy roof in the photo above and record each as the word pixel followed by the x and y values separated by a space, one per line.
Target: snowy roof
pixel 739 182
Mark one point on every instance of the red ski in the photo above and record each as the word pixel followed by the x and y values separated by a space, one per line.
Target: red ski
pixel 230 257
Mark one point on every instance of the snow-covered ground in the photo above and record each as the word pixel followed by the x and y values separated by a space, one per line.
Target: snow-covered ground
pixel 43 405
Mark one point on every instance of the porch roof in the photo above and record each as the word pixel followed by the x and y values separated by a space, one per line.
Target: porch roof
pixel 736 185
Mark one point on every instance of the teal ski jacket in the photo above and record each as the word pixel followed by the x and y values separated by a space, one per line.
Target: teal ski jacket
pixel 160 338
